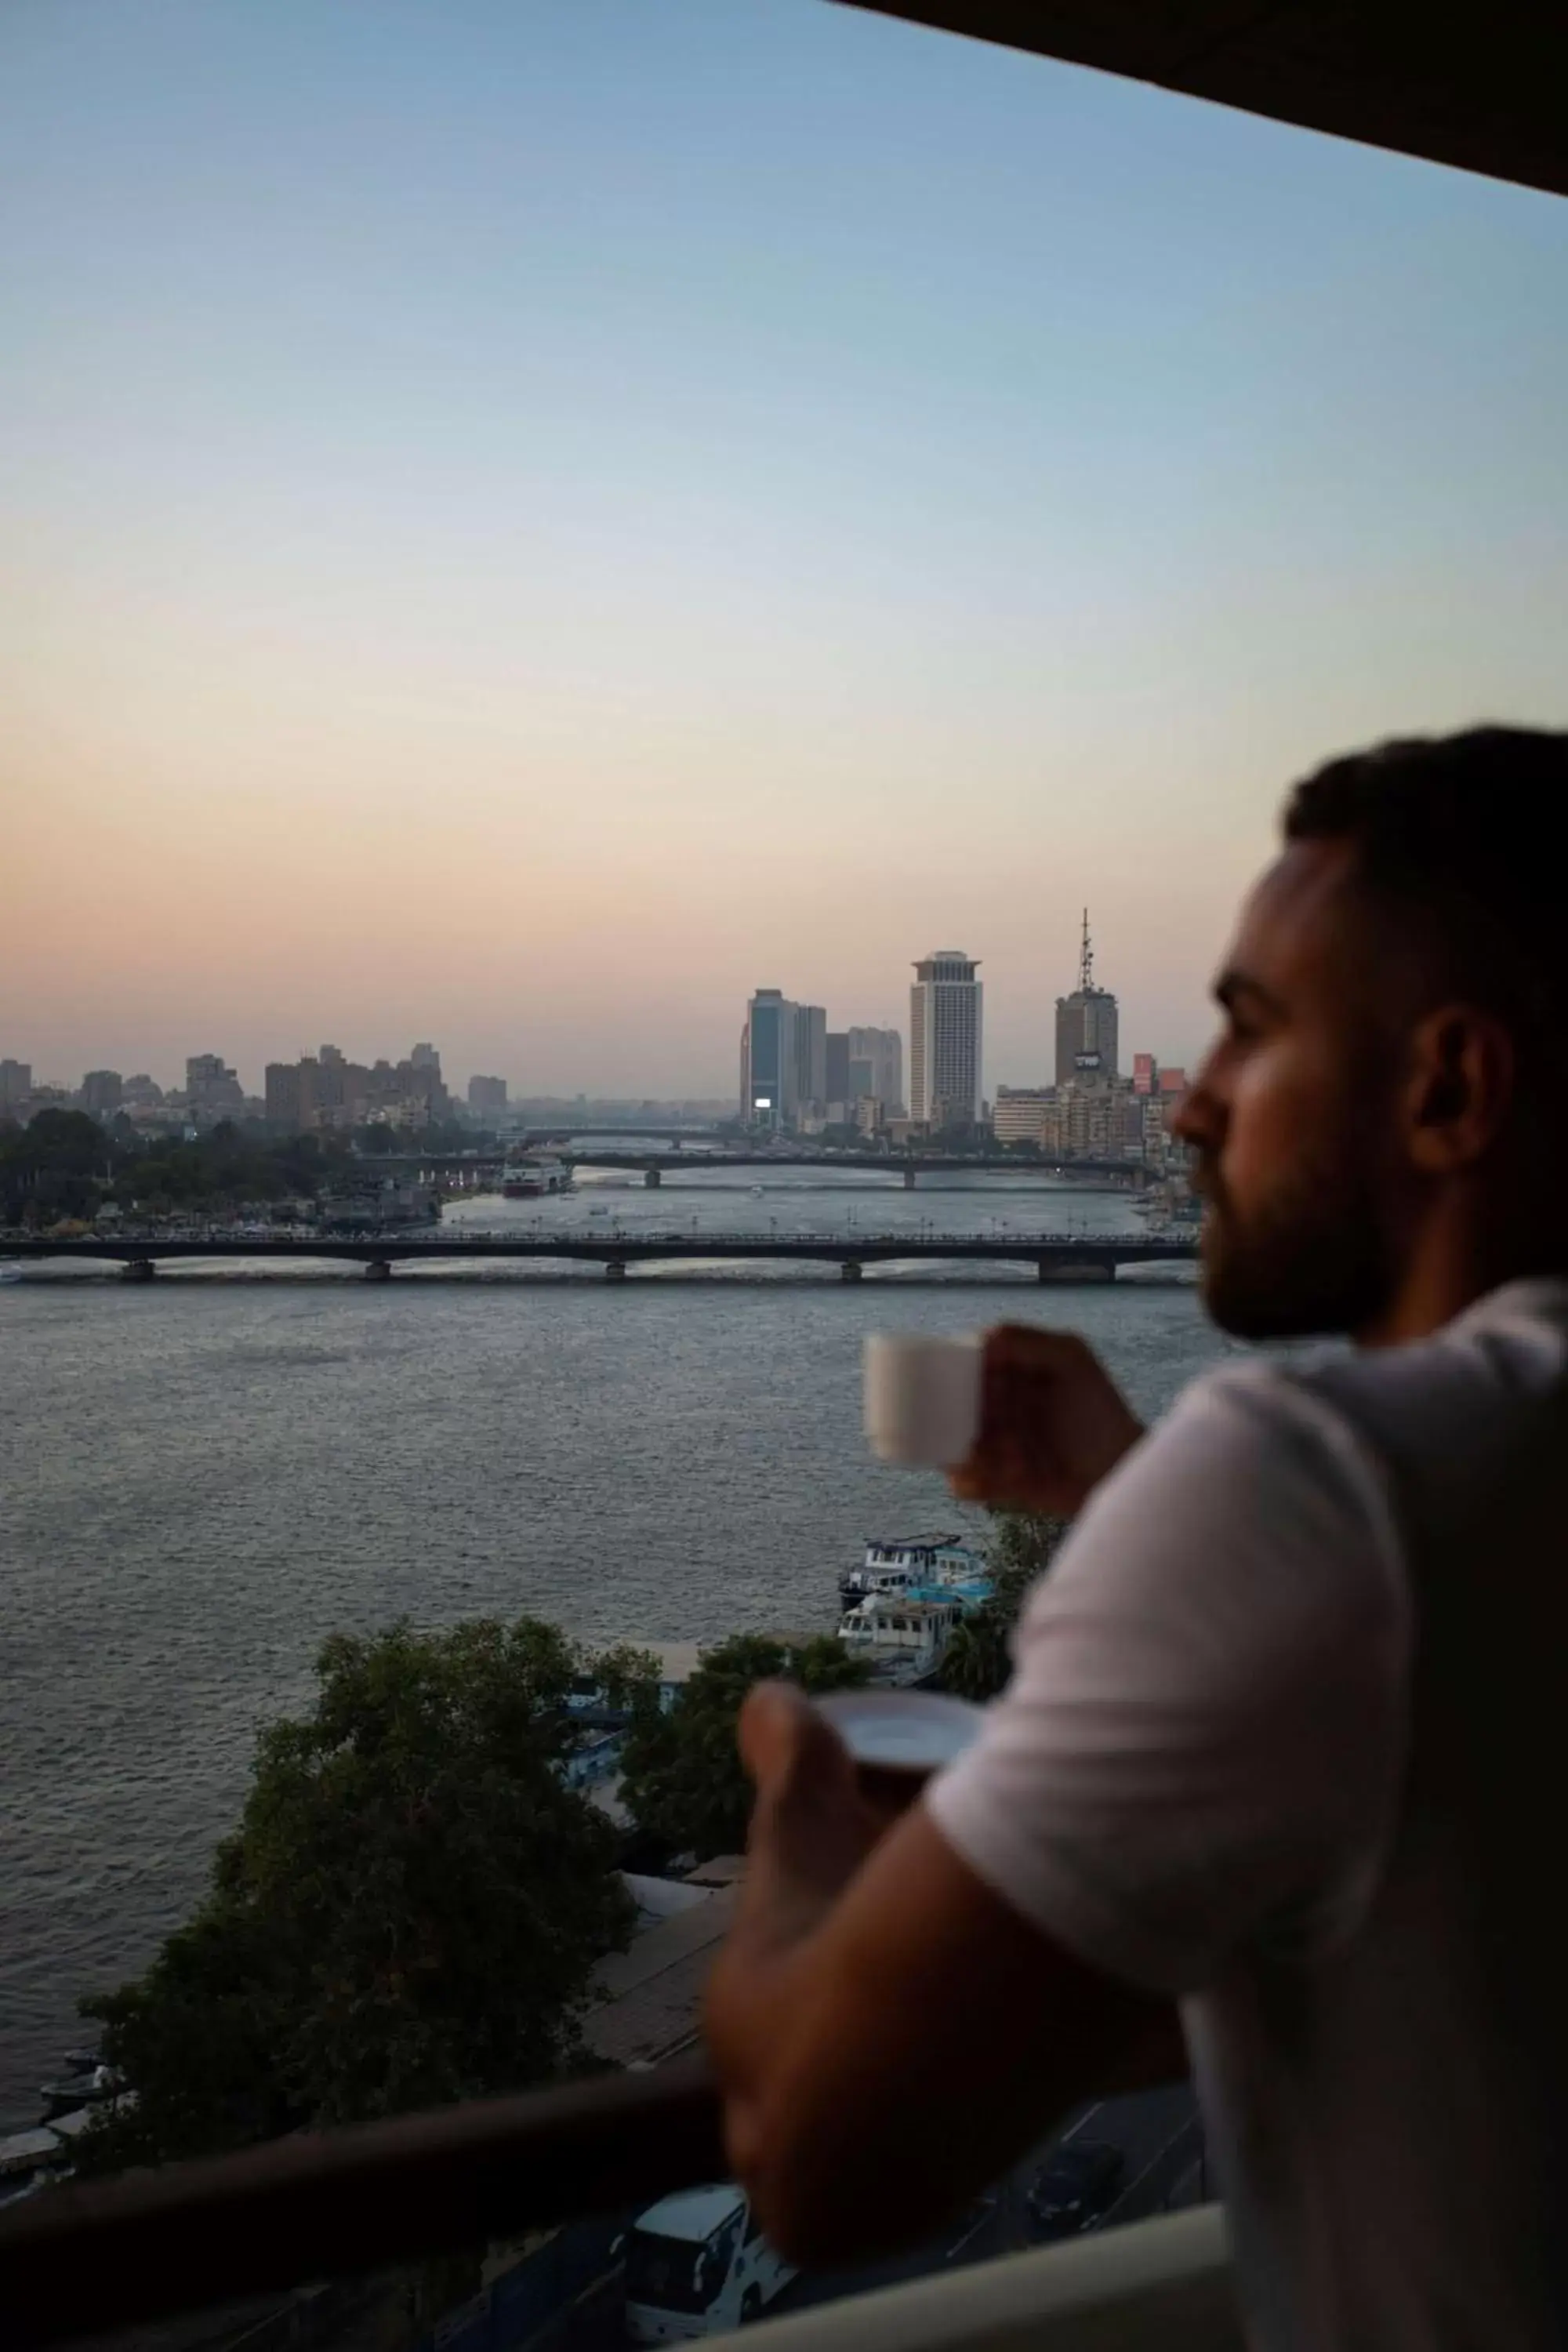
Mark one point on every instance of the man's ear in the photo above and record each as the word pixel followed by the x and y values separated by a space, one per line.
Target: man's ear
pixel 1460 1089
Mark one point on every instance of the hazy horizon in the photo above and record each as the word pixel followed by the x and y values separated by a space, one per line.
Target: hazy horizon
pixel 527 519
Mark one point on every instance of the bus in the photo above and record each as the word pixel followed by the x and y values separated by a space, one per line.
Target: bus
pixel 698 2263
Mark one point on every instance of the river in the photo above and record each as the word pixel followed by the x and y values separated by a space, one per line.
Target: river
pixel 203 1476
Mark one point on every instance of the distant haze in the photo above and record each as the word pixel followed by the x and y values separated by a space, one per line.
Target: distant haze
pixel 523 522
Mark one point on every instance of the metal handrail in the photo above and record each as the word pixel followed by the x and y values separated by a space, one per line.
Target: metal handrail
pixel 317 2205
pixel 566 1242
pixel 1165 2284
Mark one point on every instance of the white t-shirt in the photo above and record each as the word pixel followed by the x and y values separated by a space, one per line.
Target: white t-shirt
pixel 1284 1741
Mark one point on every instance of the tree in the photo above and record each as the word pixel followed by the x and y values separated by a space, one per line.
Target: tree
pixel 682 1780
pixel 408 1913
pixel 978 1660
pixel 51 1168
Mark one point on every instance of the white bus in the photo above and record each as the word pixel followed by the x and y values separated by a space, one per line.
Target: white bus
pixel 698 2263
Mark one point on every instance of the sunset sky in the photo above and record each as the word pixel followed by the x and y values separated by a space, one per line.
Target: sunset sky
pixel 525 520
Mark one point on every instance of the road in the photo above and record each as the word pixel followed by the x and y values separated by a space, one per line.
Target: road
pixel 1153 2129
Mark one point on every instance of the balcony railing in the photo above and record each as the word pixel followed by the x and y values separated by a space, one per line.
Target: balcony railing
pixel 82 2258
pixel 320 2205
pixel 1151 2286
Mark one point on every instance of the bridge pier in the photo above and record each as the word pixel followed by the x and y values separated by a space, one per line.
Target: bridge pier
pixel 850 1270
pixel 652 1179
pixel 909 1180
pixel 138 1269
pixel 377 1269
pixel 614 1269
pixel 1056 1269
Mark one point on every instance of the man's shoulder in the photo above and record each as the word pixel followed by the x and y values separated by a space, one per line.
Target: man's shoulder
pixel 1251 1475
pixel 1376 1431
pixel 1257 1406
pixel 1477 1383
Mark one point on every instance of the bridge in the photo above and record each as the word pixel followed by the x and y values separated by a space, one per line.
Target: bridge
pixel 527 1137
pixel 1056 1257
pixel 431 1167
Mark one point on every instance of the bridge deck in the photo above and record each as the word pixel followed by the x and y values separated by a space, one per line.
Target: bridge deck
pixel 621 1248
pixel 898 1164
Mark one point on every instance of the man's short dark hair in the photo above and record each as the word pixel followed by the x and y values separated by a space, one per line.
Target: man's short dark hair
pixel 1463 839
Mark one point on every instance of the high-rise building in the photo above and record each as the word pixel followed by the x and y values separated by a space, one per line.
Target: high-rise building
pixel 881 1051
pixel 294 1096
pixel 769 1061
pixel 421 1092
pixel 487 1094
pixel 102 1092
pixel 838 1087
pixel 1145 1073
pixel 15 1082
pixel 335 1093
pixel 946 1042
pixel 213 1090
pixel 1086 1025
pixel 810 1058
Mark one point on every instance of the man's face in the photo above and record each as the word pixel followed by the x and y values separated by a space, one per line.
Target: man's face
pixel 1292 1116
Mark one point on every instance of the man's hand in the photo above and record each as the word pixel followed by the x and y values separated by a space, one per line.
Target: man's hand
pixel 811 1827
pixel 1053 1423
pixel 888 2033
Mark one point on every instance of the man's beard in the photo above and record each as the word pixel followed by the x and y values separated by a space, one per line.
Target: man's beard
pixel 1315 1257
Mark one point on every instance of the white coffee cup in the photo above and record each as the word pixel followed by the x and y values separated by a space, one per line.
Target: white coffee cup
pixel 922 1398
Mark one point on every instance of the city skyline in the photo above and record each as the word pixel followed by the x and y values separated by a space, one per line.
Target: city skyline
pixel 1034 1065
pixel 814 1049
pixel 521 521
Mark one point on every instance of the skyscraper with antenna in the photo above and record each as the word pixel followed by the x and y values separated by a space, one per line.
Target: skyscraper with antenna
pixel 1086 1042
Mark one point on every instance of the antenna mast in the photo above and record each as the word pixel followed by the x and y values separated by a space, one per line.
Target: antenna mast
pixel 1086 962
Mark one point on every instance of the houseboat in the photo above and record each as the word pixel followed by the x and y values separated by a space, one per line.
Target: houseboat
pixel 534 1178
pixel 897 1563
pixel 900 1639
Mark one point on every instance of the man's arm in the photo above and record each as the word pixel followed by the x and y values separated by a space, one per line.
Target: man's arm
pixel 889 2035
pixel 1202 1744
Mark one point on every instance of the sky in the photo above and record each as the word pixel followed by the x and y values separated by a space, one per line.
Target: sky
pixel 522 521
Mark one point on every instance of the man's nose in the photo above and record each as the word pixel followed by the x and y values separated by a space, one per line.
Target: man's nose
pixel 1200 1115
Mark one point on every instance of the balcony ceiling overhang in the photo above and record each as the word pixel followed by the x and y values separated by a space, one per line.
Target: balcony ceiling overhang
pixel 1484 91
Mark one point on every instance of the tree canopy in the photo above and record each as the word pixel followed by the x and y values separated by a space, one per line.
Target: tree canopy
pixel 409 1911
pixel 978 1659
pixel 53 1165
pixel 682 1780
pixel 64 1163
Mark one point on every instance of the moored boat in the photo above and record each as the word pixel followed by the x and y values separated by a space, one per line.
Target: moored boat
pixel 81 2089
pixel 899 1563
pixel 900 1639
pixel 535 1178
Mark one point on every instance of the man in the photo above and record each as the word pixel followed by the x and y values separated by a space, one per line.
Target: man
pixel 1282 1743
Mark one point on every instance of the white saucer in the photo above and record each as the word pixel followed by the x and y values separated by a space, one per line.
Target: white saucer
pixel 902 1731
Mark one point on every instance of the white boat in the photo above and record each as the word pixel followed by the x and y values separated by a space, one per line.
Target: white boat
pixel 901 1640
pixel 534 1178
pixel 10 1274
pixel 898 1563
pixel 80 2089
